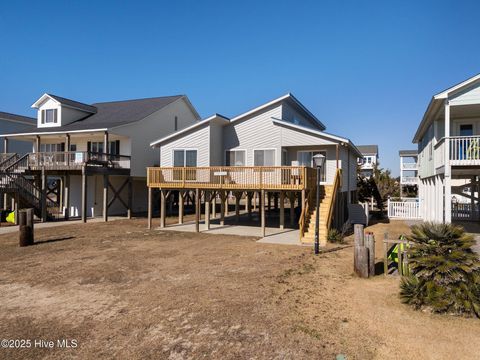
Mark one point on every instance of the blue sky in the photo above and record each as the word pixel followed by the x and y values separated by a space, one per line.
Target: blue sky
pixel 367 69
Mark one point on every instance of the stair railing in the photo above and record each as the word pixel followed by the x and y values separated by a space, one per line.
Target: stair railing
pixel 337 182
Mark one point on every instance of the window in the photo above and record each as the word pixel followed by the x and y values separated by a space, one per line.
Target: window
pixel 466 130
pixel 176 123
pixel 264 157
pixel 184 158
pixel 49 116
pixel 97 147
pixel 51 147
pixel 235 158
pixel 305 158
pixel 284 157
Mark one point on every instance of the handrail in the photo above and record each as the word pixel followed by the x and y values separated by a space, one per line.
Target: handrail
pixel 336 185
pixel 7 160
pixel 79 158
pixel 15 164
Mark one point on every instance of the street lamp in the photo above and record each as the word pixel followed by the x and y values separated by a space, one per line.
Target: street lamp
pixel 318 160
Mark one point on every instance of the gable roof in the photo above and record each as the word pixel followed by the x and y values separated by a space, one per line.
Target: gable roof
pixel 65 102
pixel 113 114
pixel 334 138
pixel 189 128
pixel 436 103
pixel 289 97
pixel 368 149
pixel 26 120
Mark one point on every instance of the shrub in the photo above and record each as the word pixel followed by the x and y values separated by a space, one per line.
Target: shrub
pixel 445 271
pixel 335 236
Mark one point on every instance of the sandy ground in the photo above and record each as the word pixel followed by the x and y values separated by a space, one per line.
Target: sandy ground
pixel 124 292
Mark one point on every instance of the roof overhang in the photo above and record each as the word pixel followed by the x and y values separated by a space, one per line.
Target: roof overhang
pixel 45 96
pixel 288 96
pixel 216 117
pixel 334 138
pixel 39 133
pixel 436 103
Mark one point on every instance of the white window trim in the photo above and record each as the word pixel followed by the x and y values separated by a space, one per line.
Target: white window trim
pixel 225 156
pixel 325 164
pixel 263 149
pixel 184 149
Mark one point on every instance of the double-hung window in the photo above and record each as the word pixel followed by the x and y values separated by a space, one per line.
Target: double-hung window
pixel 49 116
pixel 264 157
pixel 235 158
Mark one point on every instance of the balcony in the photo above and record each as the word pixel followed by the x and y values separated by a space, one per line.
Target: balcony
pixel 75 160
pixel 409 166
pixel 232 177
pixel 408 180
pixel 464 151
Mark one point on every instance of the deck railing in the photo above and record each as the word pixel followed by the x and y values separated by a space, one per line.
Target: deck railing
pixel 73 159
pixel 409 180
pixel 464 150
pixel 232 177
pixel 404 209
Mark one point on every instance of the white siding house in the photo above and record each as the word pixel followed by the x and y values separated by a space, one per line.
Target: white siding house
pixel 97 149
pixel 448 139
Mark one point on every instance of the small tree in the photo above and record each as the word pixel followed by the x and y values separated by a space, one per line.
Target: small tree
pixel 445 271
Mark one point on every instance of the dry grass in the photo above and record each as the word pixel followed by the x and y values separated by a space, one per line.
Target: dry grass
pixel 125 292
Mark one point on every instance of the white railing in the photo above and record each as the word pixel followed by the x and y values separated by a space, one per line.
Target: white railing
pixel 439 160
pixel 410 166
pixel 409 180
pixel 404 209
pixel 465 150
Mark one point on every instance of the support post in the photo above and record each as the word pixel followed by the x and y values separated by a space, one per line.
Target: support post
pixel 84 194
pixel 207 209
pixel 181 201
pixel 222 207
pixel 105 198
pixel 130 198
pixel 262 210
pixel 282 210
pixel 238 195
pixel 44 195
pixel 162 208
pixel 448 185
pixel 67 149
pixel 197 210
pixel 214 206
pixel 249 203
pixel 5 145
pixel 292 208
pixel 226 203
pixel 105 143
pixel 66 197
pixel 149 208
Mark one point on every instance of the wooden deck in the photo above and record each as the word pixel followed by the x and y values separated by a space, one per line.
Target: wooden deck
pixel 294 178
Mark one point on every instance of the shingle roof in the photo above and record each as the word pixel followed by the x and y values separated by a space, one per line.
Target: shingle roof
pixel 75 104
pixel 111 114
pixel 408 152
pixel 17 118
pixel 368 149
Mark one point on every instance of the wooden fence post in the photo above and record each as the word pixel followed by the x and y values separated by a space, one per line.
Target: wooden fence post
pixel 370 245
pixel 360 260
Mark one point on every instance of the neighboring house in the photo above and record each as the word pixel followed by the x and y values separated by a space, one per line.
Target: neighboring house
pixel 448 139
pixel 268 149
pixel 408 171
pixel 10 123
pixel 98 154
pixel 368 160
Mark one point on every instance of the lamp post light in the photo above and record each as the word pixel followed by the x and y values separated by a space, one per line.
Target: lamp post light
pixel 319 161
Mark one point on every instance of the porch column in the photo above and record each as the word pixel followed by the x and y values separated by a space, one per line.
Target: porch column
pixel 66 197
pixel 5 145
pixel 181 200
pixel 149 208
pixel 262 207
pixel 44 196
pixel 197 209
pixel 105 198
pixel 208 196
pixel 162 208
pixel 84 194
pixel 105 142
pixel 67 149
pixel 448 169
pixel 282 210
pixel 337 156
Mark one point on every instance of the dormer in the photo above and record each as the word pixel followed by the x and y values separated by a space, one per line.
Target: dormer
pixel 55 111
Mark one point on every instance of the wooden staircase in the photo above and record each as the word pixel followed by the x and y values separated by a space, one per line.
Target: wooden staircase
pixel 14 182
pixel 326 198
pixel 328 194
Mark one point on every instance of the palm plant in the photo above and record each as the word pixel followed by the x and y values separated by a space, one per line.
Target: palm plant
pixel 445 271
